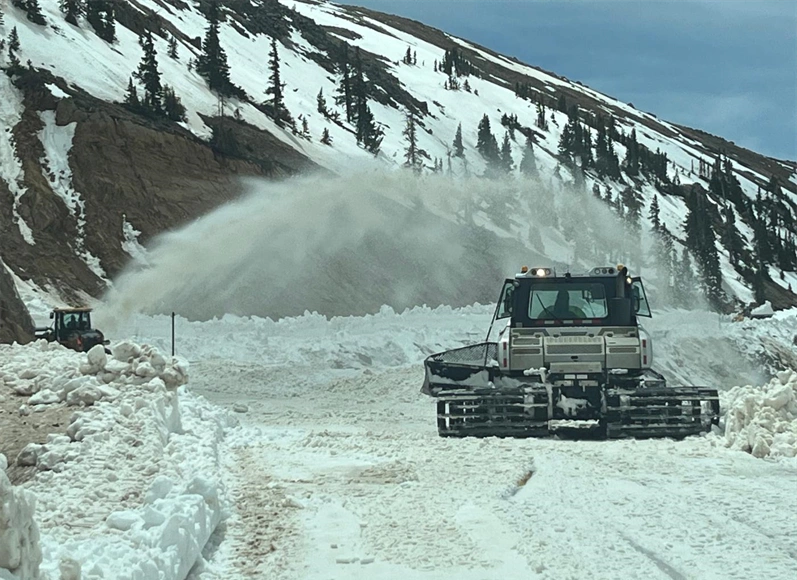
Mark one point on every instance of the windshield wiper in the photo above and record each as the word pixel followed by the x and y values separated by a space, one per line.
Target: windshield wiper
pixel 546 309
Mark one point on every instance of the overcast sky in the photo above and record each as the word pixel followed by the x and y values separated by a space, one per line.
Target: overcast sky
pixel 728 67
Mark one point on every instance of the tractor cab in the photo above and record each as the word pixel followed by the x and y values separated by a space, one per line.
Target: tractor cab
pixel 605 296
pixel 72 328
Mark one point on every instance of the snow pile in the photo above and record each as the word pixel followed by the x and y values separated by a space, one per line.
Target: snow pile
pixel 20 552
pixel 31 372
pixel 132 491
pixel 763 420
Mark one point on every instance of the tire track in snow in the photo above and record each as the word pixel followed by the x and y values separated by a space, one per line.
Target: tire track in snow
pixel 263 533
pixel 660 564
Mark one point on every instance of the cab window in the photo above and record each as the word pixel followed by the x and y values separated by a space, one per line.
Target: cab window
pixel 505 302
pixel 570 301
pixel 641 306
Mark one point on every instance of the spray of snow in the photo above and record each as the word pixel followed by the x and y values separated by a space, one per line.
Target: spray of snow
pixel 130 243
pixel 347 246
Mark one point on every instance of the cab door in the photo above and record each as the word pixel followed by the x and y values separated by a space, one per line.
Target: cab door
pixel 639 298
pixel 506 301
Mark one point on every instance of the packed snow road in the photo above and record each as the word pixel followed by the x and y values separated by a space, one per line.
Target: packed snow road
pixel 338 472
pixel 349 479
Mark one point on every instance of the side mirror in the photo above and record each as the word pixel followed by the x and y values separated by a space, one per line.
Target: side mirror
pixel 52 315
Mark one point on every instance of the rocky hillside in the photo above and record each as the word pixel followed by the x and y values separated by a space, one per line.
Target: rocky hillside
pixel 89 172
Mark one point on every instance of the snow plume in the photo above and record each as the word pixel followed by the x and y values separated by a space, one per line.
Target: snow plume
pixel 348 245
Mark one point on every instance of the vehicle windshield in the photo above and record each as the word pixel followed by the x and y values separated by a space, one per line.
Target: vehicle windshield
pixel 569 301
pixel 77 321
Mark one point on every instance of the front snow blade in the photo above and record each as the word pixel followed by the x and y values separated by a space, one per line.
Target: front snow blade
pixel 675 412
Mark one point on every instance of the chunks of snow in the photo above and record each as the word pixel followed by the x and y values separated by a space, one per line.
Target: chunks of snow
pixel 96 357
pixel 20 551
pixel 125 351
pixel 762 420
pixel 123 520
pixel 29 454
pixel 126 449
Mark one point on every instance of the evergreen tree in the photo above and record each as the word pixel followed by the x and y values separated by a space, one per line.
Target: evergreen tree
pixel 368 132
pixel 407 59
pixel 72 9
pixel 684 280
pixel 212 63
pixel 528 165
pixel 485 141
pixel 172 51
pixel 326 138
pixel 100 14
pixel 148 74
pixel 653 215
pixel 412 157
pixel 2 17
pixel 13 41
pixel 305 128
pixel 321 103
pixel 631 160
pixel 173 108
pixel 13 47
pixel 731 237
pixel 541 121
pixel 632 203
pixel 459 149
pixel 568 140
pixel 131 97
pixel 343 92
pixel 506 154
pixel 700 239
pixel 663 255
pixel 275 83
pixel 32 10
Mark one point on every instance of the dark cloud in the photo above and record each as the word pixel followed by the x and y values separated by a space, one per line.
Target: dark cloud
pixel 728 67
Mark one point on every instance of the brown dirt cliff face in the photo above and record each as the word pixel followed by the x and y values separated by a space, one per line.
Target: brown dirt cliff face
pixel 155 174
pixel 15 322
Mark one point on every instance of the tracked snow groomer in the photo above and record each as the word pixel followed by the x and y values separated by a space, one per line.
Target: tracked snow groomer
pixel 570 360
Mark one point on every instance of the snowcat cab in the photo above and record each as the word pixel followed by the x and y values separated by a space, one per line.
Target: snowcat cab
pixel 72 328
pixel 571 359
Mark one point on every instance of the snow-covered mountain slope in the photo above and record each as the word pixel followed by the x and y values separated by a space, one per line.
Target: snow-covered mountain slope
pixel 160 173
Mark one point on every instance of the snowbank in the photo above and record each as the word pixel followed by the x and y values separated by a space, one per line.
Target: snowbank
pixel 132 490
pixel 20 551
pixel 763 420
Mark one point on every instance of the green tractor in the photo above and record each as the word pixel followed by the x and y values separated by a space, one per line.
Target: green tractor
pixel 72 328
